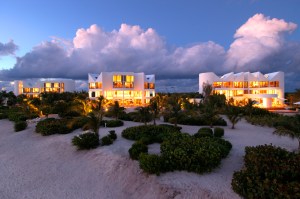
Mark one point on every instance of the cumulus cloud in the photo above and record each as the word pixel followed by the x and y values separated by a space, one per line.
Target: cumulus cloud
pixel 8 48
pixel 257 39
pixel 259 44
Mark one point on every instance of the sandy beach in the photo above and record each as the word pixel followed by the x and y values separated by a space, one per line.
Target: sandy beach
pixel 33 166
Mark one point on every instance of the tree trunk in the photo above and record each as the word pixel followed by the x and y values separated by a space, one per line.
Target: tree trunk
pixel 299 145
pixel 232 126
pixel 154 121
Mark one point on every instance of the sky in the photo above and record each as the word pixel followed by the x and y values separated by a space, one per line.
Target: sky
pixel 173 39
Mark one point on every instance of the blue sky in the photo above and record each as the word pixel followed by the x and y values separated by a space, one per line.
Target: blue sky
pixel 181 28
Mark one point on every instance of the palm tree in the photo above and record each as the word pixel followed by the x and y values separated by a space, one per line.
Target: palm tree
pixel 94 123
pixel 144 114
pixel 249 107
pixel 96 116
pixel 116 109
pixel 207 90
pixel 86 107
pixel 234 114
pixel 290 126
pixel 210 113
pixel 154 106
pixel 173 107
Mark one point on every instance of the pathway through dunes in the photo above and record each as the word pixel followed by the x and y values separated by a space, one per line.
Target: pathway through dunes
pixel 33 166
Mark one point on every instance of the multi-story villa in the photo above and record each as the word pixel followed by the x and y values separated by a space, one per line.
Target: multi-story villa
pixel 126 87
pixel 33 87
pixel 267 90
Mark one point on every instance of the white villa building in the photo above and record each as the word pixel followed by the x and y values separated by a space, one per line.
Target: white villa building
pixel 33 87
pixel 266 89
pixel 126 87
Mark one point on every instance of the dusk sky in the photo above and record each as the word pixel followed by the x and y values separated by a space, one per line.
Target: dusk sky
pixel 173 39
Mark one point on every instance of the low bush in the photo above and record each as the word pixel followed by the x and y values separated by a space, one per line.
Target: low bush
pixel 179 151
pixel 112 134
pixel 106 140
pixel 88 140
pixel 151 163
pixel 17 116
pixel 151 133
pixel 269 172
pixel 204 132
pixel 218 132
pixel 51 126
pixel 184 152
pixel 114 123
pixel 78 122
pixel 136 149
pixel 20 126
pixel 177 128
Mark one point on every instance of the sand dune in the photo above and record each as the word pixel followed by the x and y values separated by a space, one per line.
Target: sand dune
pixel 33 166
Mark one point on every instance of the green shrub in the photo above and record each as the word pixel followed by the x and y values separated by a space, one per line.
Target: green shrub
pixel 151 163
pixel 114 123
pixel 112 134
pixel 136 149
pixel 20 126
pixel 149 132
pixel 78 122
pixel 88 140
pixel 218 132
pixel 106 140
pixel 17 116
pixel 204 132
pixel 177 128
pixel 184 152
pixel 51 126
pixel 269 172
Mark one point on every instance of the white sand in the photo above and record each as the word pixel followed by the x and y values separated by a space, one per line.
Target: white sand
pixel 33 166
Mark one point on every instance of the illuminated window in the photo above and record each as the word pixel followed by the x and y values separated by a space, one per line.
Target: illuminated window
pixel 151 85
pixel 263 84
pixel 117 78
pixel 253 85
pixel 48 85
pixel 129 78
pixel 217 84
pixel 99 85
pixel 35 90
pixel 227 84
pixel 274 84
pixel 26 90
pixel 238 84
pixel 56 85
pixel 92 85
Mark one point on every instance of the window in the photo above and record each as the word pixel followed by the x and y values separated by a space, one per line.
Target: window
pixel 245 84
pixel 56 85
pixel 263 84
pixel 254 85
pixel 47 85
pixel 227 84
pixel 217 84
pixel 93 94
pixel 274 84
pixel 92 85
pixel 26 90
pixel 238 84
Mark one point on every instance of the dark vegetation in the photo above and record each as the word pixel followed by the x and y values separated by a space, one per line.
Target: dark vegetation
pixel 179 151
pixel 269 172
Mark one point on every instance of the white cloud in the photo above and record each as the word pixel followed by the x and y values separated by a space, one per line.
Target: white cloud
pixel 257 39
